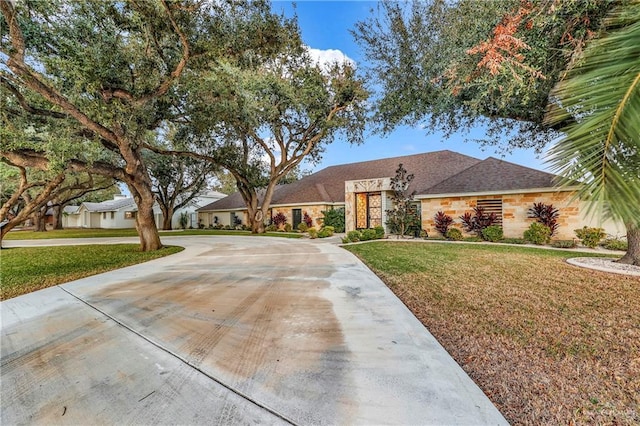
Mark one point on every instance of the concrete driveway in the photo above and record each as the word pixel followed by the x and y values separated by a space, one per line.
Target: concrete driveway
pixel 233 330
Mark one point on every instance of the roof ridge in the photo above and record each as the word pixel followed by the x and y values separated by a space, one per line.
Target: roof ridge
pixel 398 157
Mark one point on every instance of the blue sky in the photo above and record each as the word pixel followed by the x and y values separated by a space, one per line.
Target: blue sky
pixel 325 25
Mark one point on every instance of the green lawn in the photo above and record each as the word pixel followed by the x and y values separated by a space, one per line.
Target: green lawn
pixel 548 342
pixel 26 269
pixel 95 233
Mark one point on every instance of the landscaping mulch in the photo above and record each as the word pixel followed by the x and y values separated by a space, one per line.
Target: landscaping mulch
pixel 549 343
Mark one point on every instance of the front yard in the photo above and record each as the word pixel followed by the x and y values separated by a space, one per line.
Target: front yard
pixel 27 269
pixel 549 343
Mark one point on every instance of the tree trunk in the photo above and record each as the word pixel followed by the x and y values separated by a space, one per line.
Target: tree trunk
pixel 39 220
pixel 632 257
pixel 167 214
pixel 145 220
pixel 6 228
pixel 257 221
pixel 57 217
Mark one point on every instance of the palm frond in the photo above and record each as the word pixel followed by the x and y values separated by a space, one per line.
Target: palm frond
pixel 600 97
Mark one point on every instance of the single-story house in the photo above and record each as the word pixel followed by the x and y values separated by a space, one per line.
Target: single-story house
pixel 111 214
pixel 121 212
pixel 443 181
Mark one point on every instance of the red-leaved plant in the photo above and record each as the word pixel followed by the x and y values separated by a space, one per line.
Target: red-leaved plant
pixel 545 214
pixel 478 220
pixel 442 222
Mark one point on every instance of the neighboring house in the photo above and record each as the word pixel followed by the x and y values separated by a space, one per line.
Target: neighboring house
pixel 121 213
pixel 192 206
pixel 444 180
pixel 71 217
pixel 112 214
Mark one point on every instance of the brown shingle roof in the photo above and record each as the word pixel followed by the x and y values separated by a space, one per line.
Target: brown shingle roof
pixel 493 175
pixel 327 185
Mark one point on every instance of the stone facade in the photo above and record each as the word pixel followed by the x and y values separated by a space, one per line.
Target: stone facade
pixel 353 187
pixel 313 210
pixel 515 209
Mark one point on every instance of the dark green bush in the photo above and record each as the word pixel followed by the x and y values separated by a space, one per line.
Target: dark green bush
pixel 354 236
pixel 492 233
pixel 454 234
pixel 288 227
pixel 615 244
pixel 368 234
pixel 590 236
pixel 537 233
pixel 325 232
pixel 334 218
pixel 302 227
pixel 271 228
pixel 564 244
pixel 379 232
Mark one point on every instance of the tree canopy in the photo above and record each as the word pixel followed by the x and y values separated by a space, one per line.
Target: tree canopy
pixel 260 122
pixel 453 65
pixel 114 72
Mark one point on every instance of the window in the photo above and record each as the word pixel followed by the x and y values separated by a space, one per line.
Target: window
pixel 129 215
pixel 492 206
pixel 104 215
pixel 112 215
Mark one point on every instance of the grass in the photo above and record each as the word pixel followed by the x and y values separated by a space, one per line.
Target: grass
pixel 96 233
pixel 27 269
pixel 547 342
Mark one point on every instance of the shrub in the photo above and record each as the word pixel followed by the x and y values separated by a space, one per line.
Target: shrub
pixel 227 228
pixel 354 236
pixel 478 220
pixel 219 226
pixel 379 232
pixel 279 219
pixel 313 233
pixel 334 218
pixel 473 239
pixel 454 234
pixel 615 244
pixel 288 227
pixel 325 232
pixel 513 240
pixel 302 227
pixel 545 214
pixel 307 220
pixel 442 222
pixel 492 233
pixel 564 244
pixel 368 234
pixel 183 220
pixel 424 234
pixel 345 240
pixel 537 233
pixel 271 228
pixel 590 236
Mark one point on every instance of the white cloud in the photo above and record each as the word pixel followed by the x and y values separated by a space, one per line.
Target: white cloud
pixel 329 56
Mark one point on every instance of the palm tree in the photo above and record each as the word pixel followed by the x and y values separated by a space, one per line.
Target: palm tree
pixel 600 98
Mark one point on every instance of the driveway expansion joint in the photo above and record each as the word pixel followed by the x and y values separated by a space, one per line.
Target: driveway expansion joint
pixel 183 360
